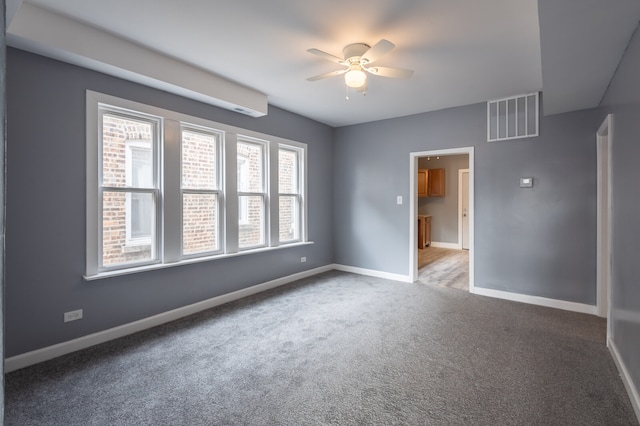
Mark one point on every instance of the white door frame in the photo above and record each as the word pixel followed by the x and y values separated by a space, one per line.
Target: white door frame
pixel 413 208
pixel 460 172
pixel 604 141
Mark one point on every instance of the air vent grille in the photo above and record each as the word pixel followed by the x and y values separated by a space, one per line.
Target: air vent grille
pixel 513 118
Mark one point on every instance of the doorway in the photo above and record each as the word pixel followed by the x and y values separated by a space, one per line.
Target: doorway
pixel 604 139
pixel 413 209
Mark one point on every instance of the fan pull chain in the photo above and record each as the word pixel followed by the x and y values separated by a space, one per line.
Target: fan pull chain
pixel 347 96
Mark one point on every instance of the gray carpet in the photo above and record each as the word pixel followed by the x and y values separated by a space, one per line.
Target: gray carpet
pixel 337 349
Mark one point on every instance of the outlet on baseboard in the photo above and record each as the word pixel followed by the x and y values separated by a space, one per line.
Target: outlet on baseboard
pixel 73 315
pixel 303 259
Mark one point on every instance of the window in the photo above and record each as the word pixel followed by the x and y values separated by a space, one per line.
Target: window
pixel 289 197
pixel 252 195
pixel 201 191
pixel 165 188
pixel 128 188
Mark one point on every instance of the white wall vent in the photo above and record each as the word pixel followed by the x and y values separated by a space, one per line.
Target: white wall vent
pixel 513 118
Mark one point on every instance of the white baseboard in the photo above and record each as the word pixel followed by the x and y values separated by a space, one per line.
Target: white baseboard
pixel 372 273
pixel 537 300
pixel 631 388
pixel 444 245
pixel 30 358
pixel 53 351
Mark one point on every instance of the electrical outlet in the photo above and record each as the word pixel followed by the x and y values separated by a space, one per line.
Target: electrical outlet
pixel 73 315
pixel 303 259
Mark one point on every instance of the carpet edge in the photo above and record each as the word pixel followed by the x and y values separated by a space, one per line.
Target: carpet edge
pixel 49 352
pixel 629 386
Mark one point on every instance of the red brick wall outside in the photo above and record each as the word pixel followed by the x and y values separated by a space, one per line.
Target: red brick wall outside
pixel 116 131
pixel 250 232
pixel 199 211
pixel 287 168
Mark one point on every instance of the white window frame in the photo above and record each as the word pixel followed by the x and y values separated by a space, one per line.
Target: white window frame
pixel 218 191
pixel 264 193
pixel 154 241
pixel 298 220
pixel 168 194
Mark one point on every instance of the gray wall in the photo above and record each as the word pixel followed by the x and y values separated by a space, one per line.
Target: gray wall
pixel 46 210
pixel 539 241
pixel 2 190
pixel 623 100
pixel 444 210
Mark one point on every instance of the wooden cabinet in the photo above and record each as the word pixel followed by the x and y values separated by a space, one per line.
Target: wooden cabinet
pixel 436 183
pixel 423 180
pixel 431 183
pixel 424 231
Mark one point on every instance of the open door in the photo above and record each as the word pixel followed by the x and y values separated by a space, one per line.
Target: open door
pixel 463 209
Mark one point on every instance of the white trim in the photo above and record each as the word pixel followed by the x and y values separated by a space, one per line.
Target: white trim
pixel 43 354
pixel 373 273
pixel 413 208
pixel 413 217
pixel 188 260
pixel 632 389
pixel 536 300
pixel 604 140
pixel 445 245
pixel 39 355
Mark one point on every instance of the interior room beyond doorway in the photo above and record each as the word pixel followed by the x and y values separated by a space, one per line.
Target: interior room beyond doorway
pixel 442 256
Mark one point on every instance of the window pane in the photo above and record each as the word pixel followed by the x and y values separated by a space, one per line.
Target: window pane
pixel 502 122
pixel 251 230
pixel 289 218
pixel 252 180
pixel 288 171
pixel 127 156
pixel 493 120
pixel 199 169
pixel 532 115
pixel 128 224
pixel 141 206
pixel 522 128
pixel 511 118
pixel 199 223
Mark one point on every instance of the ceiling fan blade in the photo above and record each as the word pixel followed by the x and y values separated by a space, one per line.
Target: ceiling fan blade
pixel 390 72
pixel 377 50
pixel 326 75
pixel 326 55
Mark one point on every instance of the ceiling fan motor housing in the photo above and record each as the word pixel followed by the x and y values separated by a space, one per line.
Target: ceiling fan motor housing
pixel 353 52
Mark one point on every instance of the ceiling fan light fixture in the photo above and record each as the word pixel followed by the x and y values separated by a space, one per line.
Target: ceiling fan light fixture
pixel 355 77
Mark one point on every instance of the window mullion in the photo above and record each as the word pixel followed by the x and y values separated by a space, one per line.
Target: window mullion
pixel 231 193
pixel 272 199
pixel 172 202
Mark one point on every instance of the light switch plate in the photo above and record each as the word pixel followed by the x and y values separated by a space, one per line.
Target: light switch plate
pixel 399 199
pixel 526 182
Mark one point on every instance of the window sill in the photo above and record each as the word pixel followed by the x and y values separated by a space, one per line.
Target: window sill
pixel 182 262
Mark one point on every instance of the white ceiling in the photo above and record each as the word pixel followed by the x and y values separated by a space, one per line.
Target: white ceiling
pixel 462 51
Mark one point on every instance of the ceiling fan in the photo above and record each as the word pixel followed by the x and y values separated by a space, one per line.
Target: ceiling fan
pixel 358 58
